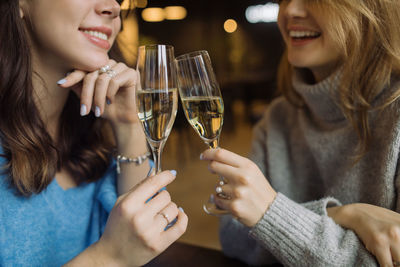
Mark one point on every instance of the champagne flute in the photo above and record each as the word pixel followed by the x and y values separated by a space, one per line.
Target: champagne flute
pixel 156 95
pixel 202 104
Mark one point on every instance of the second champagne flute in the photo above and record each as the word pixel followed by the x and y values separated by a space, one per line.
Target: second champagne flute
pixel 156 95
pixel 202 103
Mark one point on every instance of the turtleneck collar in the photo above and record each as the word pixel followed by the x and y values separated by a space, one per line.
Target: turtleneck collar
pixel 320 98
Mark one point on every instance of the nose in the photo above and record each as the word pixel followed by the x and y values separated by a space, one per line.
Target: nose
pixel 296 9
pixel 108 8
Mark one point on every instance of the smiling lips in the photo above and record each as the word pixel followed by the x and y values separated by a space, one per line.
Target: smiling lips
pixel 302 37
pixel 98 36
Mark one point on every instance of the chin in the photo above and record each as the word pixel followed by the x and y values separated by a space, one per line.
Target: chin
pixel 93 63
pixel 300 62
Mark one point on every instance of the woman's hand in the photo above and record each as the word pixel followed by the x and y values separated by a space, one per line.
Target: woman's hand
pixel 377 227
pixel 109 94
pixel 135 231
pixel 248 193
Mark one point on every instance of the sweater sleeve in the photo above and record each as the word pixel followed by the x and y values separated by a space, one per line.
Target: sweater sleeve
pixel 298 236
pixel 295 235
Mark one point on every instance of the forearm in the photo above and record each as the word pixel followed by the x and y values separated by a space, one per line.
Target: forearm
pixel 131 142
pixel 296 236
pixel 93 256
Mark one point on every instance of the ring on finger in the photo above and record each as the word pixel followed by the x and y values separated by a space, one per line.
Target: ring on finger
pixel 224 196
pixel 221 182
pixel 111 73
pixel 165 216
pixel 104 69
pixel 396 263
pixel 218 190
pixel 220 193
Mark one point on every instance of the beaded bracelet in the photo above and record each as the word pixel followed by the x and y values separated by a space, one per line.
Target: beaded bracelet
pixel 138 160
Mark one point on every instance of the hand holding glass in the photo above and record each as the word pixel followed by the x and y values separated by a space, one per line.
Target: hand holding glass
pixel 156 95
pixel 202 103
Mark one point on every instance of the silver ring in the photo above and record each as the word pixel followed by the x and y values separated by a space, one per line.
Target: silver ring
pixel 223 196
pixel 111 73
pixel 218 190
pixel 220 193
pixel 165 216
pixel 104 69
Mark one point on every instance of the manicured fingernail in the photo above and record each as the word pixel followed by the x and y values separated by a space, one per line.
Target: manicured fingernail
pixel 108 101
pixel 83 110
pixel 62 81
pixel 173 172
pixel 201 156
pixel 180 208
pixel 97 112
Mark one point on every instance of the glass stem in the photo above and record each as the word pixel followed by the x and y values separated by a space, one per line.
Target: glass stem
pixel 157 151
pixel 213 143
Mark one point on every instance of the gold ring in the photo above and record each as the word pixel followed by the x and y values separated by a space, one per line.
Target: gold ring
pixel 165 216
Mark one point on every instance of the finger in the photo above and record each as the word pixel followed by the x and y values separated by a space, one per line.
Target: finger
pixel 72 78
pixel 87 92
pixel 383 255
pixel 101 87
pixel 231 174
pixel 158 202
pixel 224 191
pixel 222 203
pixel 223 156
pixel 127 78
pixel 395 252
pixel 149 187
pixel 175 231
pixel 166 216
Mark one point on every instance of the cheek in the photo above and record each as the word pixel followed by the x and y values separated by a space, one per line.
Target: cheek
pixel 117 27
pixel 333 52
pixel 282 28
pixel 281 25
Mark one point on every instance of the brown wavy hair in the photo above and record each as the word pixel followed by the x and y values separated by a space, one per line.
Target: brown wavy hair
pixel 368 34
pixel 84 144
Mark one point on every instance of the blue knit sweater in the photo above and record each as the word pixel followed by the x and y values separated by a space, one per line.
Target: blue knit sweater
pixel 50 228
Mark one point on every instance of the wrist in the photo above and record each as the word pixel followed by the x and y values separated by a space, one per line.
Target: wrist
pixel 128 137
pixel 103 257
pixel 343 215
pixel 95 255
pixel 124 129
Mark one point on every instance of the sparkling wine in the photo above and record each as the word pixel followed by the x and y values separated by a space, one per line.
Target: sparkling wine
pixel 157 111
pixel 205 114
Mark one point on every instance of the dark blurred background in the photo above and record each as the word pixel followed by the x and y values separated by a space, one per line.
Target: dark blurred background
pixel 245 61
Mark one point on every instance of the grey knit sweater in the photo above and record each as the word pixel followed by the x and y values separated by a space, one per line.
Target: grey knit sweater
pixel 307 156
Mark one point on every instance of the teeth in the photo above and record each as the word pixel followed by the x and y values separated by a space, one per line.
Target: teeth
pixel 97 34
pixel 301 34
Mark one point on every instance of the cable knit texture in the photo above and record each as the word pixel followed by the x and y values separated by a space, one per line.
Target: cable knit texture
pixel 307 154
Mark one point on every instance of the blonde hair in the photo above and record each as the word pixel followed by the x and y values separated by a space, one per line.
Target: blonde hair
pixel 368 34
